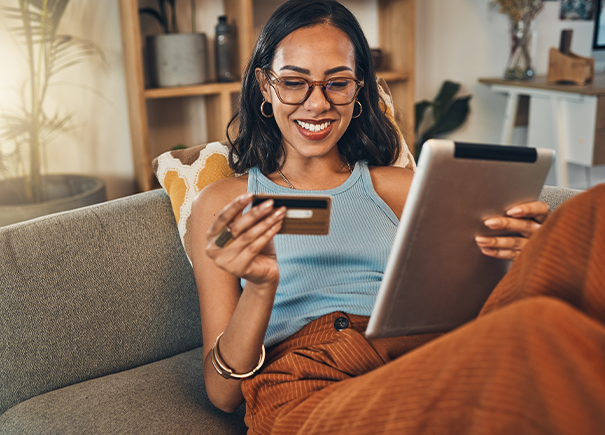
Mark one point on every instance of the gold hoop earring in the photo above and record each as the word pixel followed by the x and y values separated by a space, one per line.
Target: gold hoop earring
pixel 360 109
pixel 262 109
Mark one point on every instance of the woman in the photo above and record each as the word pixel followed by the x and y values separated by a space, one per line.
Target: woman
pixel 310 123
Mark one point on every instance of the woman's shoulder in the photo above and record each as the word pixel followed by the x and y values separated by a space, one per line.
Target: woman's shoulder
pixel 218 194
pixel 227 184
pixel 392 184
pixel 390 171
pixel 390 176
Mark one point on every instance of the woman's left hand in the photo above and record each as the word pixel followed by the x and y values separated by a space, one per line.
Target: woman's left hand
pixel 524 219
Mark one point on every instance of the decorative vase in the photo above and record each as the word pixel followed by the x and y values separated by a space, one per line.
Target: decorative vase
pixel 177 59
pixel 519 65
pixel 61 193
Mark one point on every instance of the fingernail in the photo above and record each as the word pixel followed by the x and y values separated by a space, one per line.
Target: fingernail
pixel 492 223
pixel 266 204
pixel 279 213
pixel 514 211
pixel 480 239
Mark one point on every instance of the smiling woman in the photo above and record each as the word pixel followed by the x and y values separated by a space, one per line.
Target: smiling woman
pixel 283 315
pixel 302 109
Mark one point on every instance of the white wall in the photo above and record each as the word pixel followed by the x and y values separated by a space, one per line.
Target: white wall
pixel 463 40
pixel 99 143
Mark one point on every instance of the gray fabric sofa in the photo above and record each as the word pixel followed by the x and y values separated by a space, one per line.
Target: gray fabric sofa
pixel 100 324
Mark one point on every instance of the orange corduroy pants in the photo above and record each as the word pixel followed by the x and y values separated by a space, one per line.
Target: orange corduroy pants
pixel 533 362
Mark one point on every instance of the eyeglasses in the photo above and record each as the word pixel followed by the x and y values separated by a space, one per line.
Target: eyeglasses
pixel 295 90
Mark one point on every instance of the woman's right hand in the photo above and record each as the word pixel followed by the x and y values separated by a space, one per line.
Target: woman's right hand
pixel 250 254
pixel 240 315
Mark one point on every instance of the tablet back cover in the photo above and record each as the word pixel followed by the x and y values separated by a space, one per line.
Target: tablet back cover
pixel 437 278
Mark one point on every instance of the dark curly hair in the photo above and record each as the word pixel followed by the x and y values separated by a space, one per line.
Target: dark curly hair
pixel 371 137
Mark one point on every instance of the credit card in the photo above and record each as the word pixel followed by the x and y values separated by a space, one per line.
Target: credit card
pixel 304 214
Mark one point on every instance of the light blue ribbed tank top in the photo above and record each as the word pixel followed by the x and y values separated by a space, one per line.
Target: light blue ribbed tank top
pixel 338 272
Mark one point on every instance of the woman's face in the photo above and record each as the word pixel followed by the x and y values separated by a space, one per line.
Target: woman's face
pixel 318 53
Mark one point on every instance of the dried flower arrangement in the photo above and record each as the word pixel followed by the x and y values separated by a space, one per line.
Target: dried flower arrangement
pixel 520 10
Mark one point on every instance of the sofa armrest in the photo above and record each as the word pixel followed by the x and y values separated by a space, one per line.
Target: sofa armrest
pixel 555 196
pixel 91 292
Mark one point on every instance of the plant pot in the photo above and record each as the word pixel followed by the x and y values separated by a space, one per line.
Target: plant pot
pixel 177 59
pixel 63 192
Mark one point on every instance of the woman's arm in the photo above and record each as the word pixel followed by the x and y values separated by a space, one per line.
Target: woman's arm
pixel 242 315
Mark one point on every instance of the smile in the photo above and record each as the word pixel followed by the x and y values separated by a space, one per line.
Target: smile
pixel 314 127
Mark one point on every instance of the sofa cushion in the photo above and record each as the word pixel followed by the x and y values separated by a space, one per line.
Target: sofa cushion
pixel 91 292
pixel 406 158
pixel 183 173
pixel 165 397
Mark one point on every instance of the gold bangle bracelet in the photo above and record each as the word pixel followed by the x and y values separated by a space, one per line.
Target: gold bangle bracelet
pixel 227 373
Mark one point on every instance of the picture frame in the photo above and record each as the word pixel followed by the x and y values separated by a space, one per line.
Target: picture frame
pixel 577 10
pixel 598 40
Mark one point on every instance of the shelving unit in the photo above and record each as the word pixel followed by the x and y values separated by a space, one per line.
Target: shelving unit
pixel 396 39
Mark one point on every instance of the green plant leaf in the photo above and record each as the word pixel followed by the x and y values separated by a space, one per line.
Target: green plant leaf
pixel 13 126
pixel 421 107
pixel 52 16
pixel 52 127
pixel 69 50
pixel 453 117
pixel 443 99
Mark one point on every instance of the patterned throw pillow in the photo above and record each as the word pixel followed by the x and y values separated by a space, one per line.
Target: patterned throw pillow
pixel 406 159
pixel 183 173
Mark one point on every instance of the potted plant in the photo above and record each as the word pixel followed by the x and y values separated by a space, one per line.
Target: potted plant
pixel 448 112
pixel 175 59
pixel 25 192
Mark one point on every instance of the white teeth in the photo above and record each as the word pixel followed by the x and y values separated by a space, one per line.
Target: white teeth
pixel 314 127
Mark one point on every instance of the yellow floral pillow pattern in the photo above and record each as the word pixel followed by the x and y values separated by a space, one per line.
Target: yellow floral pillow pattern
pixel 183 173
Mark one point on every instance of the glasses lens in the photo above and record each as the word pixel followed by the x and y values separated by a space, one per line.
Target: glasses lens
pixel 292 90
pixel 341 91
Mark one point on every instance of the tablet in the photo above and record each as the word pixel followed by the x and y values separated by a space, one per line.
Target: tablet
pixel 436 277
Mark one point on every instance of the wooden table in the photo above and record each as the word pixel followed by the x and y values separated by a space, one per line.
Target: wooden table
pixel 567 118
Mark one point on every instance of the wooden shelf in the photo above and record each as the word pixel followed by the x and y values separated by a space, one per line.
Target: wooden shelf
pixel 396 39
pixel 189 91
pixel 394 76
